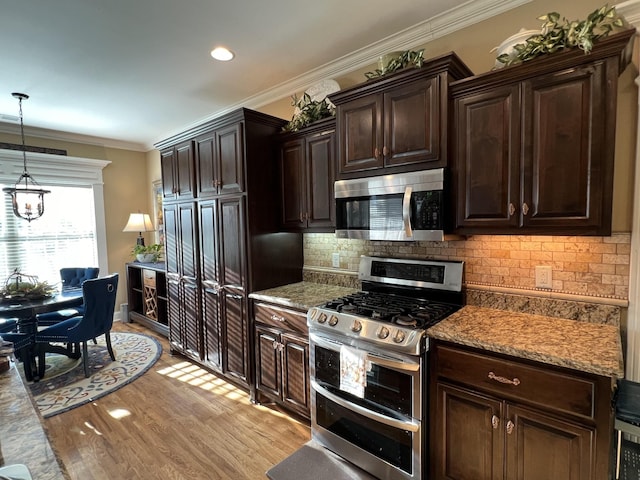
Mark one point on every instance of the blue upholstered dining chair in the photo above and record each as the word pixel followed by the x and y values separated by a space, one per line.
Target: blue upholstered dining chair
pixel 22 343
pixel 71 277
pixel 99 297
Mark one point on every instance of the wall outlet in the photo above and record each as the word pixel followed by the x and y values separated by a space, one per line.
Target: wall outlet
pixel 335 260
pixel 543 276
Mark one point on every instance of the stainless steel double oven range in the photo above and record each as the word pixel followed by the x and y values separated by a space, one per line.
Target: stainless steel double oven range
pixel 368 354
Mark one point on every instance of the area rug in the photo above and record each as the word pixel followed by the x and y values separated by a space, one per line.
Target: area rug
pixel 64 385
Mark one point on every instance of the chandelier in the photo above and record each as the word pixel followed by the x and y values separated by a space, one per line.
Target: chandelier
pixel 27 197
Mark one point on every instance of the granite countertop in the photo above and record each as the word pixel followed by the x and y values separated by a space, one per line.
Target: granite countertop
pixel 301 295
pixel 22 435
pixel 588 347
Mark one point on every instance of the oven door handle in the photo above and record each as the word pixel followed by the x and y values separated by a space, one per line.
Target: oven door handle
pixel 400 365
pixel 406 212
pixel 410 425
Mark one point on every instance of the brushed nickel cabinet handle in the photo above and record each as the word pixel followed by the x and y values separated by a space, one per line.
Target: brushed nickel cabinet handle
pixel 525 208
pixel 498 378
pixel 277 318
pixel 495 422
pixel 301 217
pixel 376 153
pixel 385 151
pixel 512 209
pixel 510 427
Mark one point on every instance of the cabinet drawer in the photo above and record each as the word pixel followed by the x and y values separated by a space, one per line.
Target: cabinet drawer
pixel 149 278
pixel 544 387
pixel 281 317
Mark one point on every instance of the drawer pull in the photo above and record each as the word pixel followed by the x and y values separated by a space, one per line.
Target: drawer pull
pixel 512 209
pixel 498 378
pixel 510 427
pixel 495 422
pixel 277 318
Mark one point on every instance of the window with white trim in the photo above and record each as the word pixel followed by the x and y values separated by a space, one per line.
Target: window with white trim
pixel 65 236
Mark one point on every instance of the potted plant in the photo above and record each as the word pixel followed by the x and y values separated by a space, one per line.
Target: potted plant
pixel 148 253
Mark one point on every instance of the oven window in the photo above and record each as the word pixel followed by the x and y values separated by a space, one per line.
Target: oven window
pixel 386 389
pixel 390 444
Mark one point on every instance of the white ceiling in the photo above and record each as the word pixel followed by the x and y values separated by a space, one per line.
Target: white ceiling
pixel 130 73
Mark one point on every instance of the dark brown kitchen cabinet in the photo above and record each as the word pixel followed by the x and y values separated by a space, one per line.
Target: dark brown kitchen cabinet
pixel 533 145
pixel 219 161
pixel 398 122
pixel 230 239
pixel 497 417
pixel 147 296
pixel 307 160
pixel 178 177
pixel 282 356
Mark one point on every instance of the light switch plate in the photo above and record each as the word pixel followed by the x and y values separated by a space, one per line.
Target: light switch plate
pixel 335 260
pixel 544 276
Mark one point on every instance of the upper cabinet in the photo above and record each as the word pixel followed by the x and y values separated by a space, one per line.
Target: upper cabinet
pixel 177 171
pixel 533 145
pixel 306 162
pixel 219 161
pixel 398 122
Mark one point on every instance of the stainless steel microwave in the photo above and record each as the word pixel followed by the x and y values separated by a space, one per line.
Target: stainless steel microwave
pixel 402 207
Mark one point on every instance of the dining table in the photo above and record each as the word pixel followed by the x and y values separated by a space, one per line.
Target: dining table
pixel 26 310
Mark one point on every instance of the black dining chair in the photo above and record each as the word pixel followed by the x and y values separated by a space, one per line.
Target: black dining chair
pixel 99 296
pixel 71 278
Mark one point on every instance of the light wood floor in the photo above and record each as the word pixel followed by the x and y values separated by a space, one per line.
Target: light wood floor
pixel 178 422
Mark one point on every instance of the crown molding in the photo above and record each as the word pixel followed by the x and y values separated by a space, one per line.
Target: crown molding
pixel 630 10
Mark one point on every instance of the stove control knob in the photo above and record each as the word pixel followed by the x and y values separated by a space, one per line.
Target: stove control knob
pixel 383 332
pixel 356 327
pixel 333 320
pixel 322 318
pixel 399 336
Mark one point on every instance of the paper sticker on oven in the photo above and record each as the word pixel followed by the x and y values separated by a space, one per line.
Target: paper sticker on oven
pixel 353 371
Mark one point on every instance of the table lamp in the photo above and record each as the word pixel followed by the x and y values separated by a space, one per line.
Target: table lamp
pixel 139 222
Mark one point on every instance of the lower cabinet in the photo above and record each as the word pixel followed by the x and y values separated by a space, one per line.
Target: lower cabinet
pixel 495 417
pixel 282 357
pixel 147 296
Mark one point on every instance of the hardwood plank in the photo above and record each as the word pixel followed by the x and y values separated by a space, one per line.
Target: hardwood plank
pixel 177 421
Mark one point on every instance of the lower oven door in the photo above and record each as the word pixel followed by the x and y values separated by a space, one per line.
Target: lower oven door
pixel 381 431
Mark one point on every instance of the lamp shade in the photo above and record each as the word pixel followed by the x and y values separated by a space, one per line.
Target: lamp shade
pixel 139 222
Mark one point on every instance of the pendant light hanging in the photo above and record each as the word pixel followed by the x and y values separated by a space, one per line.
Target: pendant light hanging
pixel 27 196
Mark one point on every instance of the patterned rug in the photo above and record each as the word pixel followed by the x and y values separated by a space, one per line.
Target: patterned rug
pixel 64 385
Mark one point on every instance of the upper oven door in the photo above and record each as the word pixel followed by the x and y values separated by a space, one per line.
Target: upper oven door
pixel 393 381
pixel 391 207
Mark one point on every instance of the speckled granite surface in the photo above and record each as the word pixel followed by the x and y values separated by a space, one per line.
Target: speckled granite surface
pixel 302 295
pixel 589 347
pixel 551 307
pixel 22 436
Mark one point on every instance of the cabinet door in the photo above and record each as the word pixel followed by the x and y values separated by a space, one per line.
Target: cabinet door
pixel 565 162
pixel 320 202
pixel 540 447
pixel 184 177
pixel 188 265
pixel 176 327
pixel 230 159
pixel 295 372
pixel 209 275
pixel 268 366
pixel 468 439
pixel 359 124
pixel 487 159
pixel 292 180
pixel 412 123
pixel 167 162
pixel 205 161
pixel 233 278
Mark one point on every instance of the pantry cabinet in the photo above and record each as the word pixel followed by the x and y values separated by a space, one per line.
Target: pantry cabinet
pixel 282 356
pixel 497 417
pixel 533 144
pixel 306 161
pixel 398 122
pixel 227 242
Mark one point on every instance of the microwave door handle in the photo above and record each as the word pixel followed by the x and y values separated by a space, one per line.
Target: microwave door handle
pixel 410 425
pixel 406 212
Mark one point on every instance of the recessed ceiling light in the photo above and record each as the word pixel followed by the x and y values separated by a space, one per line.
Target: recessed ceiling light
pixel 221 53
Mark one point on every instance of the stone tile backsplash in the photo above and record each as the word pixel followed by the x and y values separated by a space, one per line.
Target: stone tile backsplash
pixel 590 266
